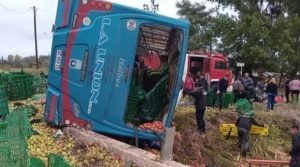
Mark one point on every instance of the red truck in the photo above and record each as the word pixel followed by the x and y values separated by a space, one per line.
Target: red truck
pixel 213 65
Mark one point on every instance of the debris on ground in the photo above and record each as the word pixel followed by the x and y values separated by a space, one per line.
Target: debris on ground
pixel 211 148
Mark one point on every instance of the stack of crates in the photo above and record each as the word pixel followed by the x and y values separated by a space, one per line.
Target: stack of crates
pixel 20 86
pixel 4 79
pixel 228 99
pixel 136 95
pixel 14 130
pixel 3 102
pixel 156 100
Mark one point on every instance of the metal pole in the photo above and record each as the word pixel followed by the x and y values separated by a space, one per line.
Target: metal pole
pixel 136 136
pixel 242 70
pixel 35 39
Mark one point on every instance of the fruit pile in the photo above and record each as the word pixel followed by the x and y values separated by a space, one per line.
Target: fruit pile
pixel 94 155
pixel 43 143
pixel 46 141
pixel 156 126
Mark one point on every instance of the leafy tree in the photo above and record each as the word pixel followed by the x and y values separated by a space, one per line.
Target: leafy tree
pixel 17 61
pixel 202 36
pixel 265 35
pixel 153 5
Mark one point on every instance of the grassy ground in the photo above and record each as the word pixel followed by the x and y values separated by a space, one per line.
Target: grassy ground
pixel 212 149
pixel 27 70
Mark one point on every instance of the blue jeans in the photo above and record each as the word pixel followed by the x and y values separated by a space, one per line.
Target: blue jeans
pixel 271 97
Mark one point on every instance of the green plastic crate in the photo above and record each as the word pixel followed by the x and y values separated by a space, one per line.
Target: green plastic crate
pixel 228 99
pixel 18 118
pixel 30 110
pixel 55 160
pixel 135 98
pixel 13 147
pixel 39 84
pixel 155 100
pixel 4 79
pixel 3 102
pixel 14 132
pixel 20 86
pixel 210 97
pixel 35 162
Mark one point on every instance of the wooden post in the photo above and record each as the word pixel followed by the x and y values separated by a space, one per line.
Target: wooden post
pixel 35 39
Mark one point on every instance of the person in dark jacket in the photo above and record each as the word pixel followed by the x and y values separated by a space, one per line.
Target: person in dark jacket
pixel 200 104
pixel 243 124
pixel 202 82
pixel 222 88
pixel 272 93
pixel 287 90
pixel 295 152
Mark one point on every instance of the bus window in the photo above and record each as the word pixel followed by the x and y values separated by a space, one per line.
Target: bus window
pixel 220 65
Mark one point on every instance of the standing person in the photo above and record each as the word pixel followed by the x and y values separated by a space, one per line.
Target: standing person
pixel 287 89
pixel 249 86
pixel 238 88
pixel 243 124
pixel 202 82
pixel 197 78
pixel 200 104
pixel 221 90
pixel 260 89
pixel 295 152
pixel 272 93
pixel 261 85
pixel 189 84
pixel 295 88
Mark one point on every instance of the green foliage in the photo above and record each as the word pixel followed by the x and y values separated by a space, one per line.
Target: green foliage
pixel 265 34
pixel 202 35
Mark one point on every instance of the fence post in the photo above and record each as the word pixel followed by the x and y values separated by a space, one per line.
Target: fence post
pixel 167 145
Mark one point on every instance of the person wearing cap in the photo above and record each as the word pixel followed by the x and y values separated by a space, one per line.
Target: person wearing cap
pixel 200 104
pixel 295 152
pixel 243 124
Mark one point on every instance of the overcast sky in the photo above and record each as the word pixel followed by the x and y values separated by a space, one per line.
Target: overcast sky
pixel 16 20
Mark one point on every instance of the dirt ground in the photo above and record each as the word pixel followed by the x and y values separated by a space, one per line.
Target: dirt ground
pixel 212 149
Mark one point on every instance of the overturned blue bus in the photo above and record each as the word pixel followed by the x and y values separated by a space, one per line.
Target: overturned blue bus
pixel 113 68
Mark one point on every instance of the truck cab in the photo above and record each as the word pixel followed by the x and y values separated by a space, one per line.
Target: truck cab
pixel 214 66
pixel 113 68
